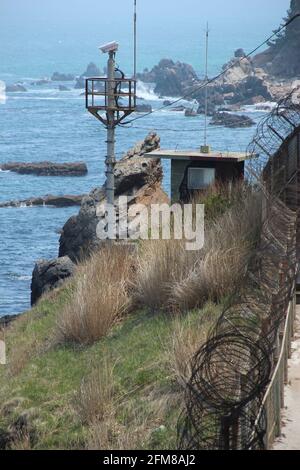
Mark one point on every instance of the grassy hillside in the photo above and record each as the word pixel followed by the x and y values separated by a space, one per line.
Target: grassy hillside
pixel 104 362
pixel 41 389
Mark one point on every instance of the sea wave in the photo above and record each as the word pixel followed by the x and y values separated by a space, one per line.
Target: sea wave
pixel 260 107
pixel 19 277
pixel 145 91
pixel 2 93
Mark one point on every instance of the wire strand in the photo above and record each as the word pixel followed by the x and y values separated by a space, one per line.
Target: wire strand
pixel 212 80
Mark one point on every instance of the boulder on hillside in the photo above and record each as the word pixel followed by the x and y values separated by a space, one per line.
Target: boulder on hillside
pixel 239 53
pixel 237 70
pixel 250 88
pixel 48 275
pixel 137 177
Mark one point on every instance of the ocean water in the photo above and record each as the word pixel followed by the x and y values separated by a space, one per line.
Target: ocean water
pixel 46 124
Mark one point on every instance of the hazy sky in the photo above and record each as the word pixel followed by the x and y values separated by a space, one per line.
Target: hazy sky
pixel 152 10
pixel 54 31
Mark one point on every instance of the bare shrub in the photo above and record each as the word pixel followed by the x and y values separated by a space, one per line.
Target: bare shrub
pixel 94 400
pixel 109 435
pixel 159 264
pixel 171 278
pixel 100 296
pixel 186 339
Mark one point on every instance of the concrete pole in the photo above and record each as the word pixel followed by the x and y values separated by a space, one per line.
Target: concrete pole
pixel 110 160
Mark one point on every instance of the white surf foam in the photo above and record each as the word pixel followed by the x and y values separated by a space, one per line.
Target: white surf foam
pixel 268 106
pixel 2 92
pixel 146 91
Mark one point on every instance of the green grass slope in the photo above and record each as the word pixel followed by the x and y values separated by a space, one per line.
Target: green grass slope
pixel 39 387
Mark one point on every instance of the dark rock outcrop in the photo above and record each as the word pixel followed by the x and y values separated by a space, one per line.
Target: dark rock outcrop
pixel 170 78
pixel 239 53
pixel 48 275
pixel 55 201
pixel 91 71
pixel 144 108
pixel 6 320
pixel 250 88
pixel 46 168
pixel 43 81
pixel 63 88
pixel 231 120
pixel 80 83
pixel 17 87
pixel 62 77
pixel 282 59
pixel 135 176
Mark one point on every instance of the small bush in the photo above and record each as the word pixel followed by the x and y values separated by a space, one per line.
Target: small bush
pixel 100 296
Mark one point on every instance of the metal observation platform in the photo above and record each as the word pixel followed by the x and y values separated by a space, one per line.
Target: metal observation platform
pixel 110 99
pixel 117 95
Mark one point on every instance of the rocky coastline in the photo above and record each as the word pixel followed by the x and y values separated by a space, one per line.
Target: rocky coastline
pixel 259 81
pixel 137 177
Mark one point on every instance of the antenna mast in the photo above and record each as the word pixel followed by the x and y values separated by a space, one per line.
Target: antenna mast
pixel 206 89
pixel 135 40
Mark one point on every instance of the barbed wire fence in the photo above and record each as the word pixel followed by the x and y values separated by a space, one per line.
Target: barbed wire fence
pixel 231 372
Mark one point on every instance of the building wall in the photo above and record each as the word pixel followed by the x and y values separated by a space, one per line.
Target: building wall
pixel 225 172
pixel 178 169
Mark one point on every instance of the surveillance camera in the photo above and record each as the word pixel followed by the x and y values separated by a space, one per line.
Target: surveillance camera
pixel 110 47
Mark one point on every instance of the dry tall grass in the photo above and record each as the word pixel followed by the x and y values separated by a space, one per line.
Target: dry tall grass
pixel 95 397
pixel 100 296
pixel 100 407
pixel 186 340
pixel 171 278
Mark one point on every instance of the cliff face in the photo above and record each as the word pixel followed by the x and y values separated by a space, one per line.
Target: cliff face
pixel 282 59
pixel 137 177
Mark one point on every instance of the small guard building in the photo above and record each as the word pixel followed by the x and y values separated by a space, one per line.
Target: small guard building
pixel 193 171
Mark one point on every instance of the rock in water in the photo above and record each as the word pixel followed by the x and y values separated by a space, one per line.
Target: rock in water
pixel 46 168
pixel 55 201
pixel 171 78
pixel 135 176
pixel 62 77
pixel 63 88
pixel 231 120
pixel 48 275
pixel 143 108
pixel 92 71
pixel 15 88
